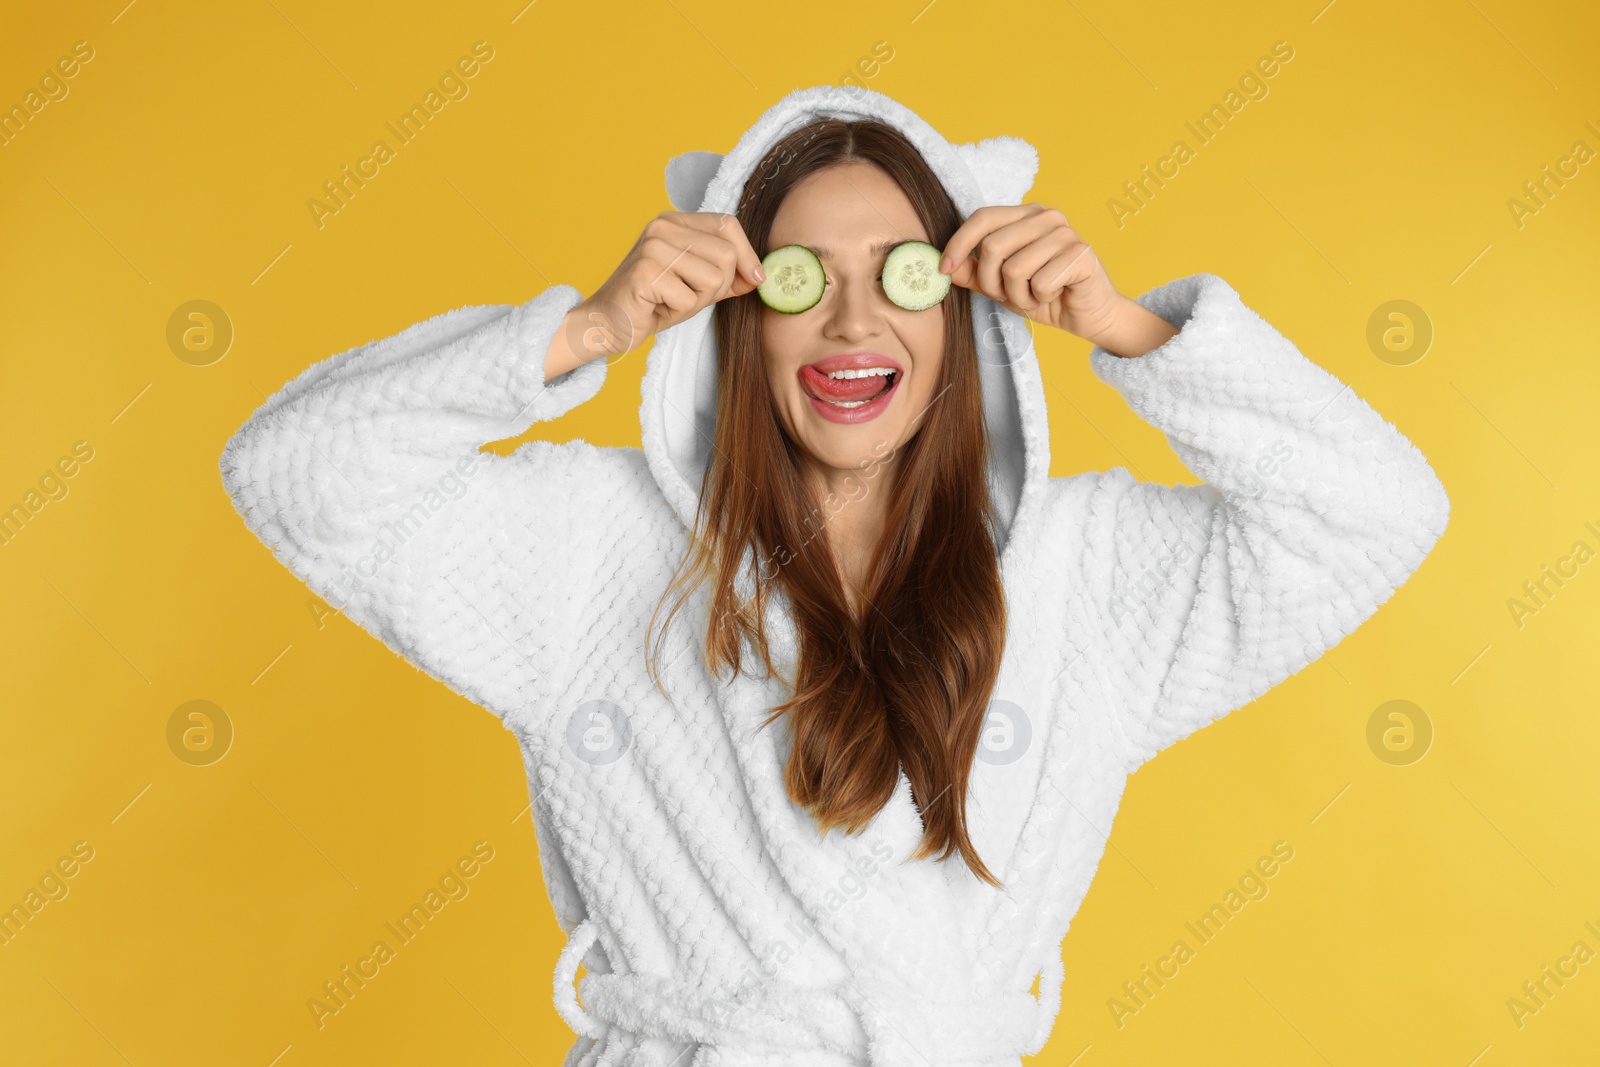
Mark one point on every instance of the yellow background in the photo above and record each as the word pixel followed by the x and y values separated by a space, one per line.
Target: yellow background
pixel 220 898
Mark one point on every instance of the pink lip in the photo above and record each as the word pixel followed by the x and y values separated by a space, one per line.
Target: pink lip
pixel 856 361
pixel 851 361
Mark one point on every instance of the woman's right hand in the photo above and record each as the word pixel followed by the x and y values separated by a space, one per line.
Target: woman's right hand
pixel 681 263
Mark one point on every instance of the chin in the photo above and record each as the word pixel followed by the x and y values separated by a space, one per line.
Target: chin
pixel 844 445
pixel 861 447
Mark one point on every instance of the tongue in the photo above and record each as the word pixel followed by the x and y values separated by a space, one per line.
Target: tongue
pixel 845 389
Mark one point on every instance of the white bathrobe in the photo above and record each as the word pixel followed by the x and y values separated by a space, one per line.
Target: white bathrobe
pixel 718 928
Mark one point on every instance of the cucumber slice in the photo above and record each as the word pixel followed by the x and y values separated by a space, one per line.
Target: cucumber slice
pixel 911 276
pixel 794 279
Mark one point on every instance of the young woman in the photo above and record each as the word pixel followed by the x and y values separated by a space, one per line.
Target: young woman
pixel 828 695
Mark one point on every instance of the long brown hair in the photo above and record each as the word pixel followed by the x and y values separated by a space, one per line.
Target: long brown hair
pixel 907 685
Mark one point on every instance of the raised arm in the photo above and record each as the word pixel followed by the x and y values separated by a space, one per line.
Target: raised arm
pixel 1312 512
pixel 365 474
pixel 365 477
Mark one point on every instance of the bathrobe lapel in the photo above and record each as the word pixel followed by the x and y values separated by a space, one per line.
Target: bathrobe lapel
pixel 892 924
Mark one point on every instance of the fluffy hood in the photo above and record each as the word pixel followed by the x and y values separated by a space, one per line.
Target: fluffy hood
pixel 678 413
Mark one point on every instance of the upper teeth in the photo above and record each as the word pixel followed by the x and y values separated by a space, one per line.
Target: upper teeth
pixel 863 373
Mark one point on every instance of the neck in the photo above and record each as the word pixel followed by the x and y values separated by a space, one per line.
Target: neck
pixel 851 507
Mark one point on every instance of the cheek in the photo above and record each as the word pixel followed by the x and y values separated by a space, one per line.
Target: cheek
pixel 773 347
pixel 928 342
pixel 781 338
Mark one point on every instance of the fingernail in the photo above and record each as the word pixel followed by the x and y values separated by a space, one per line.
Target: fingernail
pixel 944 265
pixel 760 276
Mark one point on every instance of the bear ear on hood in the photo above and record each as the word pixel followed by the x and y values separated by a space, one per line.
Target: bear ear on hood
pixel 688 176
pixel 1003 167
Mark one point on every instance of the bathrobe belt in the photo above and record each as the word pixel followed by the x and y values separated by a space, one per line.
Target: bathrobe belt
pixel 779 1014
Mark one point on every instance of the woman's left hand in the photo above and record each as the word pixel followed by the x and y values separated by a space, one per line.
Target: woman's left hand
pixel 1030 261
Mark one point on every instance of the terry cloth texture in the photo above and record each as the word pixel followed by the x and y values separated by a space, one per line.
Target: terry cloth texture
pixel 718 927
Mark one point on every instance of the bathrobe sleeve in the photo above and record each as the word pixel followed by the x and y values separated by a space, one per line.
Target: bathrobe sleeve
pixel 1312 512
pixel 364 476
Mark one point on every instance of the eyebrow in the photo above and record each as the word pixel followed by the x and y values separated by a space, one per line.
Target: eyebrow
pixel 878 249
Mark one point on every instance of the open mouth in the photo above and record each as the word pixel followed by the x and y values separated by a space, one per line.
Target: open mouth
pixel 850 395
pixel 851 388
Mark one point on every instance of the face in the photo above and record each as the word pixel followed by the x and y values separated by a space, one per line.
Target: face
pixel 841 213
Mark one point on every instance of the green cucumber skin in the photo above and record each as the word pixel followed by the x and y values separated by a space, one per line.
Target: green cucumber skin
pixel 773 263
pixel 780 259
pixel 924 252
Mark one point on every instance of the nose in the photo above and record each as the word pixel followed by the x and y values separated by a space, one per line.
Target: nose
pixel 857 309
